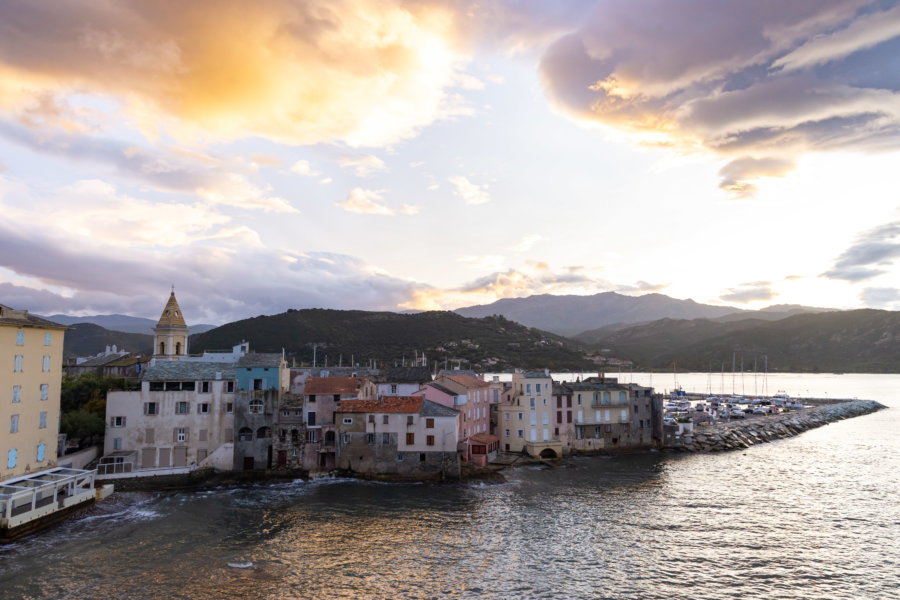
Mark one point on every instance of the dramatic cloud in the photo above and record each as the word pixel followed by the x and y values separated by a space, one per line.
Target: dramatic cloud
pixel 363 71
pixel 641 287
pixel 752 80
pixel 302 167
pixel 527 242
pixel 885 298
pixel 472 193
pixel 365 201
pixel 749 292
pixel 737 175
pixel 217 179
pixel 872 255
pixel 512 283
pixel 363 165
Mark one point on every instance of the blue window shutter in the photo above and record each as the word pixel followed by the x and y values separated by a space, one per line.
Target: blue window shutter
pixel 40 453
pixel 11 459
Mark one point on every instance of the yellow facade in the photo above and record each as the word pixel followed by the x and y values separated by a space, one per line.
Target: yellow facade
pixel 31 351
pixel 170 336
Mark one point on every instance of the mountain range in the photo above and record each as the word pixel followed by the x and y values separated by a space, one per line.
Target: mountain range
pixel 788 337
pixel 121 323
pixel 572 315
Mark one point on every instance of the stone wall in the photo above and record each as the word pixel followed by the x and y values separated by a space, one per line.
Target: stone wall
pixel 736 435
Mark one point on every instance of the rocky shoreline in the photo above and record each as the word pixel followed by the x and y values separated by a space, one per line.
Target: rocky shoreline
pixel 737 435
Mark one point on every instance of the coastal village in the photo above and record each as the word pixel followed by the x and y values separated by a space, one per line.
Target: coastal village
pixel 238 411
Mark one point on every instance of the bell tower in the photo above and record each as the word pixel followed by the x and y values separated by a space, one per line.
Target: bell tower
pixel 170 336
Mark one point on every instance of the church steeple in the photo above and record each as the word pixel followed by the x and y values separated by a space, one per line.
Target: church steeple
pixel 170 339
pixel 171 315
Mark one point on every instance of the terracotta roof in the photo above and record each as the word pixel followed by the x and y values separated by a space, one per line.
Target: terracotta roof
pixel 333 385
pixel 468 381
pixel 388 404
pixel 484 438
pixel 171 314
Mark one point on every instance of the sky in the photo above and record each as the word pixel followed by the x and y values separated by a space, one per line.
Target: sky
pixel 392 155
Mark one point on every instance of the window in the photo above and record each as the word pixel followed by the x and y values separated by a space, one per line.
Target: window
pixel 533 419
pixel 40 453
pixel 410 438
pixel 203 408
pixel 346 438
pixel 204 387
pixel 229 407
pixel 117 421
pixel 399 457
pixel 521 433
pixel 255 407
pixel 181 434
pixel 545 402
pixel 622 398
pixel 385 420
pixel 245 434
pixel 17 367
pixel 151 408
pixel 45 364
pixel 520 416
pixel 229 387
pixel 506 432
pixel 506 416
pixel 285 413
pixel 370 439
pixel 393 388
pixel 372 419
pixel 429 440
pixel 45 391
pixel 149 436
pixel 532 402
pixel 20 338
pixel 409 420
pixel 17 393
pixel 47 339
pixel 11 459
pixel 14 424
pixel 203 433
pixel 258 384
pixel 312 436
pixel 527 388
pixel 422 457
pixel 385 439
pixel 263 433
pixel 181 408
pixel 346 420
pixel 42 424
pixel 117 443
pixel 429 423
pixel 156 386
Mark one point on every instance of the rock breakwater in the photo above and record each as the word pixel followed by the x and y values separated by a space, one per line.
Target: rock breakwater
pixel 743 434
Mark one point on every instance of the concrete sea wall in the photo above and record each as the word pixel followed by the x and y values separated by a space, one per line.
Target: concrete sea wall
pixel 743 434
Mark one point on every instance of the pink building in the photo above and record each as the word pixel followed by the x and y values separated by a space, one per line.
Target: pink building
pixel 471 397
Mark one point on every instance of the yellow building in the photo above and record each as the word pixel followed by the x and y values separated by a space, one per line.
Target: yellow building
pixel 31 351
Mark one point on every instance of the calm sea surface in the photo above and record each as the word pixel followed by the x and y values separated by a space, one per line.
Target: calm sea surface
pixel 815 516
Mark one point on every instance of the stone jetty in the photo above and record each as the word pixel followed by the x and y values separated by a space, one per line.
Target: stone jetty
pixel 733 435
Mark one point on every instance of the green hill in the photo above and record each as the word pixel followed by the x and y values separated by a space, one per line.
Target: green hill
pixel 491 343
pixel 87 339
pixel 860 341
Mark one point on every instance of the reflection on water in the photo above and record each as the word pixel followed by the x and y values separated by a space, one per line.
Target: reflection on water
pixel 809 517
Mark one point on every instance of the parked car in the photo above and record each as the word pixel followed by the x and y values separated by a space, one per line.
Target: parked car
pixel 760 411
pixel 737 414
pixel 669 421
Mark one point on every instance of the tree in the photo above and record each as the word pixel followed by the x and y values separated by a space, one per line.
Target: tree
pixel 82 424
